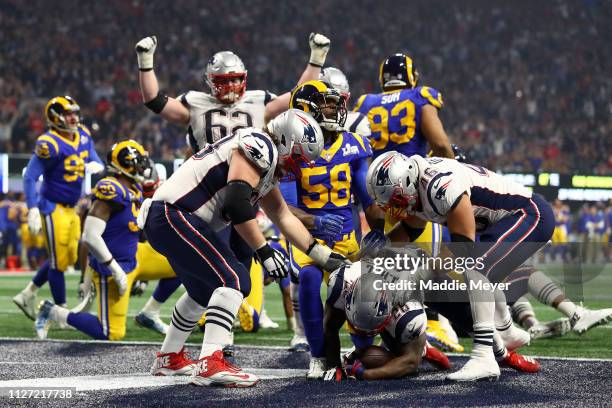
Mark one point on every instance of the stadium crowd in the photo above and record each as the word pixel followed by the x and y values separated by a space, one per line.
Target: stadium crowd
pixel 524 83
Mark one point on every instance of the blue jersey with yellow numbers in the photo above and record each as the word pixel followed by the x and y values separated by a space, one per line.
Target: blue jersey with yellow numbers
pixel 121 233
pixel 64 165
pixel 395 119
pixel 326 187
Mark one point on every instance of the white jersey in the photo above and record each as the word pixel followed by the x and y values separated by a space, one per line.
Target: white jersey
pixel 442 182
pixel 357 122
pixel 199 185
pixel 408 319
pixel 211 120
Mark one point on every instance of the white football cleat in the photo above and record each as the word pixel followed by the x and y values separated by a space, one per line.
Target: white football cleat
pixel 265 322
pixel 151 321
pixel 316 369
pixel 215 370
pixel 514 337
pixel 477 368
pixel 299 343
pixel 27 303
pixel 43 319
pixel 545 330
pixel 585 319
pixel 169 364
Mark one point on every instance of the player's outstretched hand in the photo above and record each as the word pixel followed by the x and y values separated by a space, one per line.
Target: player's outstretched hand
pixel 145 49
pixel 273 261
pixel 329 224
pixel 34 221
pixel 319 47
pixel 355 370
pixel 373 242
pixel 325 257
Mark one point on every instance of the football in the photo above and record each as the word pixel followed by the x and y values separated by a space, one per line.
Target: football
pixel 375 356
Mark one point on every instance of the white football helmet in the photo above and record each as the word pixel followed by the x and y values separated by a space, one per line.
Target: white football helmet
pixel 368 310
pixel 337 79
pixel 221 71
pixel 392 181
pixel 300 139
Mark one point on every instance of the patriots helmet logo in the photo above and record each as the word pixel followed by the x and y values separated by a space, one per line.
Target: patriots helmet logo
pixel 382 178
pixel 254 152
pixel 310 135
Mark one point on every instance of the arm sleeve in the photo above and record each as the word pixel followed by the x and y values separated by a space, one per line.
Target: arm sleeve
pixel 93 155
pixel 33 172
pixel 360 170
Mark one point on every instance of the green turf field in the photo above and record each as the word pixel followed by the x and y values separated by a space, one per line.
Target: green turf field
pixel 596 343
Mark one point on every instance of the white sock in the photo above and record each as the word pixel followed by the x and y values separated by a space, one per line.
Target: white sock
pixel 152 306
pixel 31 289
pixel 503 319
pixel 499 348
pixel 186 314
pixel 543 288
pixel 523 313
pixel 220 314
pixel 483 339
pixel 298 326
pixel 482 304
pixel 59 314
pixel 568 308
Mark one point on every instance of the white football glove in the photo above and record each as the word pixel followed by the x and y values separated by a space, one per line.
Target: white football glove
pixel 326 258
pixel 119 276
pixel 319 47
pixel 145 49
pixel 94 167
pixel 273 261
pixel 34 221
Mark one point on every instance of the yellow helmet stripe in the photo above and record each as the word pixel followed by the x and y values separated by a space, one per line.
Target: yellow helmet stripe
pixel 411 80
pixel 126 143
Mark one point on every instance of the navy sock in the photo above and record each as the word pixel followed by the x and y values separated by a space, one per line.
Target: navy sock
pixel 311 308
pixel 41 276
pixel 88 324
pixel 57 284
pixel 165 288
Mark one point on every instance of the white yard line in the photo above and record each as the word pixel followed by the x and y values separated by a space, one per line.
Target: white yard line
pixel 135 380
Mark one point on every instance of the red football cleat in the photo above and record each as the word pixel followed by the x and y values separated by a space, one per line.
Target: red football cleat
pixel 520 363
pixel 436 358
pixel 172 364
pixel 216 370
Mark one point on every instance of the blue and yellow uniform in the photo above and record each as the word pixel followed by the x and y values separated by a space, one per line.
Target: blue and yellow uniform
pixel 61 162
pixel 326 189
pixel 395 121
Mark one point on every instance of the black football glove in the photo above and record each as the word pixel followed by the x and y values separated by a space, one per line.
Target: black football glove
pixel 273 261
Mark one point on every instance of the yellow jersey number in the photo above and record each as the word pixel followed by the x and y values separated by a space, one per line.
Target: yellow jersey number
pixel 75 166
pixel 326 195
pixel 378 117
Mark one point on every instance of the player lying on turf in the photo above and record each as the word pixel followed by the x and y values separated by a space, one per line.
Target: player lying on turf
pixel 217 186
pixel 111 235
pixel 406 312
pixel 351 297
pixel 509 216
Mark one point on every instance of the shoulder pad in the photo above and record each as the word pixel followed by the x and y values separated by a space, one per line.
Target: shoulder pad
pixel 365 150
pixel 411 321
pixel 432 96
pixel 258 148
pixel 85 130
pixel 46 147
pixel 109 189
pixel 359 103
pixel 443 191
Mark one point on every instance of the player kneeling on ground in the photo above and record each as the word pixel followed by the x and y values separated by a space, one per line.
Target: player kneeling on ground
pixel 111 234
pixel 353 297
pixel 217 186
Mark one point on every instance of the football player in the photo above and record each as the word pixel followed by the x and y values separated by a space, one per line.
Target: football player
pixel 61 156
pixel 512 223
pixel 217 186
pixel 324 202
pixel 404 117
pixel 111 235
pixel 351 297
pixel 228 107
